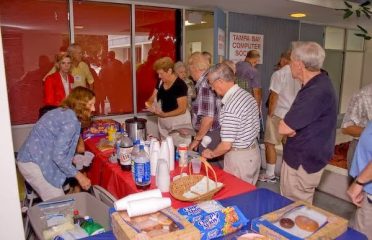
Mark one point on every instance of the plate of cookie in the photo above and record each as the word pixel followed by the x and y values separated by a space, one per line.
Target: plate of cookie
pixel 302 222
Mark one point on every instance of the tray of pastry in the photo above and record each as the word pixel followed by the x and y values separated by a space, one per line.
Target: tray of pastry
pixel 300 220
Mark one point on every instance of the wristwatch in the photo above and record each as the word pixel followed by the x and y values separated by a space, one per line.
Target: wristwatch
pixel 360 183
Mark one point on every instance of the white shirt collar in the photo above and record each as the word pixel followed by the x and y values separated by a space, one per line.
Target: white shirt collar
pixel 229 93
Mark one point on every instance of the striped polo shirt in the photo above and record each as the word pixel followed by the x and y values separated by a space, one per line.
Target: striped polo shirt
pixel 239 118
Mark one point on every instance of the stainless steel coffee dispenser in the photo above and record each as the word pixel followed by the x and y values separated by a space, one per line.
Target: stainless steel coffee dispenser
pixel 136 128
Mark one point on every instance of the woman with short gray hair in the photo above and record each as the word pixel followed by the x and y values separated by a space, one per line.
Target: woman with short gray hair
pixel 181 71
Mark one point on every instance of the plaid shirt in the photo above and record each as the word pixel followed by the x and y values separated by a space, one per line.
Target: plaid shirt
pixel 205 104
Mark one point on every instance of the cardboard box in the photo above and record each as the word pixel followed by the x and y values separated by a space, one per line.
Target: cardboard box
pixel 330 226
pixel 124 227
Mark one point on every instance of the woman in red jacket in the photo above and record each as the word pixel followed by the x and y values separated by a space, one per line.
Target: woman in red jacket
pixel 58 85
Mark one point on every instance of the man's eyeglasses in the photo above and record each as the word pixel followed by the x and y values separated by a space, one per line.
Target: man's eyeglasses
pixel 213 83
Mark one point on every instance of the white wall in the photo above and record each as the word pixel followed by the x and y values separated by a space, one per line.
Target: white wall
pixel 205 36
pixel 10 217
pixel 367 69
pixel 352 77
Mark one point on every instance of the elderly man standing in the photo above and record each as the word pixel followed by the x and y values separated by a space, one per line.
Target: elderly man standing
pixel 239 120
pixel 283 90
pixel 248 76
pixel 206 106
pixel 358 113
pixel 360 191
pixel 310 124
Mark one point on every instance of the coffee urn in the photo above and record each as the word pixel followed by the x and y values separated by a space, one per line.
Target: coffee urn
pixel 136 128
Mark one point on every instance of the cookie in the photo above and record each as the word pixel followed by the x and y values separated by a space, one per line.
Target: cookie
pixel 306 223
pixel 286 223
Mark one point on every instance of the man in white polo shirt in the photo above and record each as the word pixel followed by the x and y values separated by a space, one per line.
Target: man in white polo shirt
pixel 283 91
pixel 239 120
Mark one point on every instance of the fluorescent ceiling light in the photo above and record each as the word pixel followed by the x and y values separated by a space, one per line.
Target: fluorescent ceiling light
pixel 298 15
pixel 79 27
pixel 187 23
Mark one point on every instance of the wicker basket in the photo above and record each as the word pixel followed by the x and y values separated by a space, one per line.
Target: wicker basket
pixel 183 184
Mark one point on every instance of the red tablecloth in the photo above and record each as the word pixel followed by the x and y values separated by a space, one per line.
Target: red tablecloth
pixel 120 183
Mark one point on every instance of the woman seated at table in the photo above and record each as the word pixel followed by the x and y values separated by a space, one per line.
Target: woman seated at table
pixel 58 85
pixel 45 158
pixel 169 103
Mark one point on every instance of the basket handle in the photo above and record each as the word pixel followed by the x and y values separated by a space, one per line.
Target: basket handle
pixel 207 166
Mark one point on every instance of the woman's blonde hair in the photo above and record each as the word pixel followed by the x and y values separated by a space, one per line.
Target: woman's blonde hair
pixel 164 63
pixel 77 101
pixel 59 57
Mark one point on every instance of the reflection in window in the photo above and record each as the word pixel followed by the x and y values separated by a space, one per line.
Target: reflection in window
pixel 157 35
pixel 103 30
pixel 30 42
pixel 105 39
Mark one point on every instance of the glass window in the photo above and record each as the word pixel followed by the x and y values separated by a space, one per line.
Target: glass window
pixel 103 32
pixel 334 38
pixel 157 35
pixel 32 33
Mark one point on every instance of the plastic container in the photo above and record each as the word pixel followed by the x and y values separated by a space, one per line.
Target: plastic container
pixel 125 152
pixel 106 106
pixel 84 202
pixel 142 171
pixel 182 153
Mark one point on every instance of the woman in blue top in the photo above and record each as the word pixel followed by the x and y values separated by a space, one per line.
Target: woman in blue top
pixel 45 158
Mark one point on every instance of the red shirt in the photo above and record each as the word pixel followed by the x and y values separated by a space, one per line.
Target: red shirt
pixel 54 92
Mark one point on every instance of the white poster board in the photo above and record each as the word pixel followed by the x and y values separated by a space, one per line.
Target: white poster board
pixel 221 42
pixel 241 43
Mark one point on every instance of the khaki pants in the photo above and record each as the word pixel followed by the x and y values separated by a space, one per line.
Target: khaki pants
pixel 244 163
pixel 169 125
pixel 271 131
pixel 298 184
pixel 33 175
pixel 362 220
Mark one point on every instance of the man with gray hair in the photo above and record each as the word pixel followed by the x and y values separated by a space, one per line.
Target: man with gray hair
pixel 205 107
pixel 239 120
pixel 310 124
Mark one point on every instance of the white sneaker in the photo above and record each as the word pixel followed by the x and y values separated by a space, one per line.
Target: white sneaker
pixel 264 178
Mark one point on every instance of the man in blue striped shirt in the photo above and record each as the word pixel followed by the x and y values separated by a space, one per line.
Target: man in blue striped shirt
pixel 239 120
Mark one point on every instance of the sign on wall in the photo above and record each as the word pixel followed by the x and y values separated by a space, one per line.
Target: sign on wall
pixel 221 42
pixel 241 43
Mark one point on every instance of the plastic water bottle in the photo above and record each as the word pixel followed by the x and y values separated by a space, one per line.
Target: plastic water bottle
pixel 77 218
pixel 135 151
pixel 107 106
pixel 125 152
pixel 142 171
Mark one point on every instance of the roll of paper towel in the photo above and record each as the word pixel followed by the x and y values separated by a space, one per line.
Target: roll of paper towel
pixel 147 206
pixel 122 204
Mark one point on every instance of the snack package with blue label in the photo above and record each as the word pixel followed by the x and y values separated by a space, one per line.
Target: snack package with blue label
pixel 218 223
pixel 197 212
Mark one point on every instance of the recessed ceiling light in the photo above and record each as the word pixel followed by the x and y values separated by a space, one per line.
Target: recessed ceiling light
pixel 298 15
